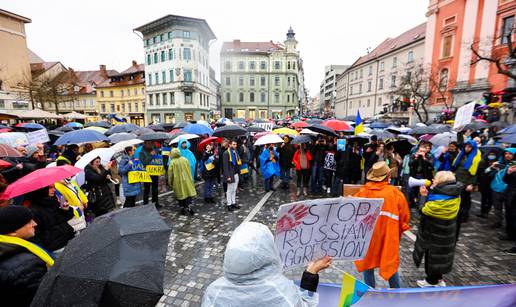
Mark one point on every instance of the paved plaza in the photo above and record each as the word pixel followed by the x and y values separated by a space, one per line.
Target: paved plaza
pixel 196 247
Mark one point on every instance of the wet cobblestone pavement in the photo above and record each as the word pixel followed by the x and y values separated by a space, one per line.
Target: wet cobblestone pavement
pixel 196 246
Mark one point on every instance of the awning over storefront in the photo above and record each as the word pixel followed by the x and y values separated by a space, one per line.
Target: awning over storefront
pixel 74 115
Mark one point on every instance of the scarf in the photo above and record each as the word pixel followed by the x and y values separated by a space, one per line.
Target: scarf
pixel 31 247
pixel 441 206
pixel 233 157
pixel 472 159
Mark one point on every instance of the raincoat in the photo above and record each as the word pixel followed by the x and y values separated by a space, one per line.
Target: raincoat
pixel 180 176
pixel 253 274
pixel 269 168
pixel 130 189
pixel 393 220
pixel 188 154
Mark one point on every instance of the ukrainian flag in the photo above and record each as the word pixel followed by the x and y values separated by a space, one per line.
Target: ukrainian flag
pixel 359 126
pixel 352 290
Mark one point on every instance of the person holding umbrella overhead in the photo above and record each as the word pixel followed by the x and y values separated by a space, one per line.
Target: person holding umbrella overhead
pixel 22 263
pixel 145 157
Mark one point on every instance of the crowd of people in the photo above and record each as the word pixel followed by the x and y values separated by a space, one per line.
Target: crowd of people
pixel 41 223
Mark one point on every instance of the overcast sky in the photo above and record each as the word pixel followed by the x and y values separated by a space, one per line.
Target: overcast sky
pixel 84 34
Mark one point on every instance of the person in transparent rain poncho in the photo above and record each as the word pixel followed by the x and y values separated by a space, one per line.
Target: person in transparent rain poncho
pixel 253 274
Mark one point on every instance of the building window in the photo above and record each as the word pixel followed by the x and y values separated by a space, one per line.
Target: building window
pixel 382 66
pixel 111 94
pixel 288 81
pixel 252 65
pixel 187 54
pixel 150 79
pixel 251 97
pixel 112 108
pixel 148 59
pixel 164 98
pixel 410 57
pixel 240 81
pixel 393 80
pixel 394 62
pixel 262 81
pixel 277 65
pixel 164 76
pixel 240 97
pixel 276 97
pixel 172 98
pixel 170 118
pixel 251 81
pixel 129 107
pixel 288 65
pixel 143 91
pixel 151 99
pixel 156 77
pixel 360 88
pixel 171 75
pixel 379 101
pixel 276 81
pixel 443 80
pixel 227 65
pixel 123 107
pixel 103 108
pixel 263 65
pixel 170 54
pixel 163 58
pixel 91 103
pixel 186 34
pixel 241 65
pixel 370 70
pixel 122 93
pixel 228 97
pixel 380 84
pixel 188 98
pixel 262 97
pixel 187 76
pixel 294 65
pixel 135 92
pixel 288 97
pixel 135 107
pixel 361 73
pixel 228 81
pixel 368 102
pixel 507 28
pixel 101 93
pixel 369 85
pixel 155 58
pixel 128 92
pixel 447 46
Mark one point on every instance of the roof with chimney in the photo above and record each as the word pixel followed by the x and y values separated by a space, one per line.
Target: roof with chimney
pixel 238 46
pixel 392 44
pixel 135 74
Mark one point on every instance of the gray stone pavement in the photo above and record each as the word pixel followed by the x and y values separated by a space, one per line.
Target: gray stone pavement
pixel 196 247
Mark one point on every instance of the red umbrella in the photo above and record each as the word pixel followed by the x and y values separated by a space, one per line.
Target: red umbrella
pixel 207 141
pixel 38 179
pixel 8 151
pixel 300 125
pixel 337 125
pixel 4 164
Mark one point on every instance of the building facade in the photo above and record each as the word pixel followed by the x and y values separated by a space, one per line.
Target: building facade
pixel 178 69
pixel 368 84
pixel 453 26
pixel 14 62
pixel 123 95
pixel 260 79
pixel 327 91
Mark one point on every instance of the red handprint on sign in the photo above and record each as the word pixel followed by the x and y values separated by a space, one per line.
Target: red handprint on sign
pixel 291 219
pixel 371 218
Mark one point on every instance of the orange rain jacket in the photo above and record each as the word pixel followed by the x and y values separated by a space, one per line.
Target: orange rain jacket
pixel 392 222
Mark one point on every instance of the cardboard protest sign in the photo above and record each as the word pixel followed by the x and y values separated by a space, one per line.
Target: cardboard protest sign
pixel 138 173
pixel 337 227
pixel 155 167
pixel 341 144
pixel 38 137
pixel 463 115
pixel 266 126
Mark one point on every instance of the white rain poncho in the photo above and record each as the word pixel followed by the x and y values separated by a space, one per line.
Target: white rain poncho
pixel 253 274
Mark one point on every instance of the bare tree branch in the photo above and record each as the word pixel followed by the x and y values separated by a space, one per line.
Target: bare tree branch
pixel 499 60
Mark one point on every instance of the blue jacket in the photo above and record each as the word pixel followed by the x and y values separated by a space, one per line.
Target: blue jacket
pixel 132 189
pixel 188 154
pixel 269 168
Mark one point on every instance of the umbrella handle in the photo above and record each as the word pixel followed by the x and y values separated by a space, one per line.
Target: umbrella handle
pixel 116 181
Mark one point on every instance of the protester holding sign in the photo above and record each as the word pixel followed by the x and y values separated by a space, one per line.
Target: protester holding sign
pixel 393 220
pixel 131 190
pixel 253 274
pixel 146 154
pixel 180 179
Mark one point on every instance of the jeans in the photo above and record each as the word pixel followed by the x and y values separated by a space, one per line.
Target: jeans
pixel 394 281
pixel 317 178
pixel 303 176
pixel 268 184
pixel 147 187
pixel 130 201
pixel 285 175
pixel 231 192
pixel 498 199
pixel 208 187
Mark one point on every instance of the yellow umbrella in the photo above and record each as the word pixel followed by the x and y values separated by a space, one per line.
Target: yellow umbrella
pixel 495 105
pixel 285 131
pixel 98 129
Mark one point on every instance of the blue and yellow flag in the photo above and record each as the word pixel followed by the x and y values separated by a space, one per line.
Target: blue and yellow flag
pixel 352 290
pixel 359 126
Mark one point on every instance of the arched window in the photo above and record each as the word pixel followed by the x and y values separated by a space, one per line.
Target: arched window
pixel 443 80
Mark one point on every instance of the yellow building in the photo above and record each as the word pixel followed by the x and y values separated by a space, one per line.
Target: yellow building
pixel 123 95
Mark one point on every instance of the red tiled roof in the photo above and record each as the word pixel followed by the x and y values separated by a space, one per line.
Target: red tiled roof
pixel 134 69
pixel 238 46
pixel 90 78
pixel 391 44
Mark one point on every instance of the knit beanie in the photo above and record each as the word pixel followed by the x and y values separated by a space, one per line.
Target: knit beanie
pixel 13 218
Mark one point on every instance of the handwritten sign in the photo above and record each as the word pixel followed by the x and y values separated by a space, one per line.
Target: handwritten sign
pixel 138 173
pixel 38 137
pixel 337 227
pixel 266 126
pixel 464 114
pixel 155 167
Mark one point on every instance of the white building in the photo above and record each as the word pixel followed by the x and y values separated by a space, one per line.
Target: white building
pixel 327 94
pixel 177 68
pixel 367 85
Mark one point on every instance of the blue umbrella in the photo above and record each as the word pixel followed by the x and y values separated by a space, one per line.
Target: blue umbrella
pixel 74 125
pixel 122 128
pixel 379 125
pixel 510 139
pixel 33 126
pixel 81 136
pixel 509 130
pixel 198 129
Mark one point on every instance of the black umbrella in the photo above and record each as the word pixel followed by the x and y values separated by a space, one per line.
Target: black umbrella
pixel 168 126
pixel 314 121
pixel 499 124
pixel 475 126
pixel 122 128
pixel 65 129
pixel 360 140
pixel 158 127
pixel 122 136
pixel 402 147
pixel 441 128
pixel 255 129
pixel 300 139
pixel 383 134
pixel 424 130
pixel 102 124
pixel 322 129
pixel 142 131
pixel 485 149
pixel 181 125
pixel 155 136
pixel 119 260
pixel 350 118
pixel 229 131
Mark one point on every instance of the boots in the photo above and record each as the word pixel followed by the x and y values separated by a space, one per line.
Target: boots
pixel 298 192
pixel 305 191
